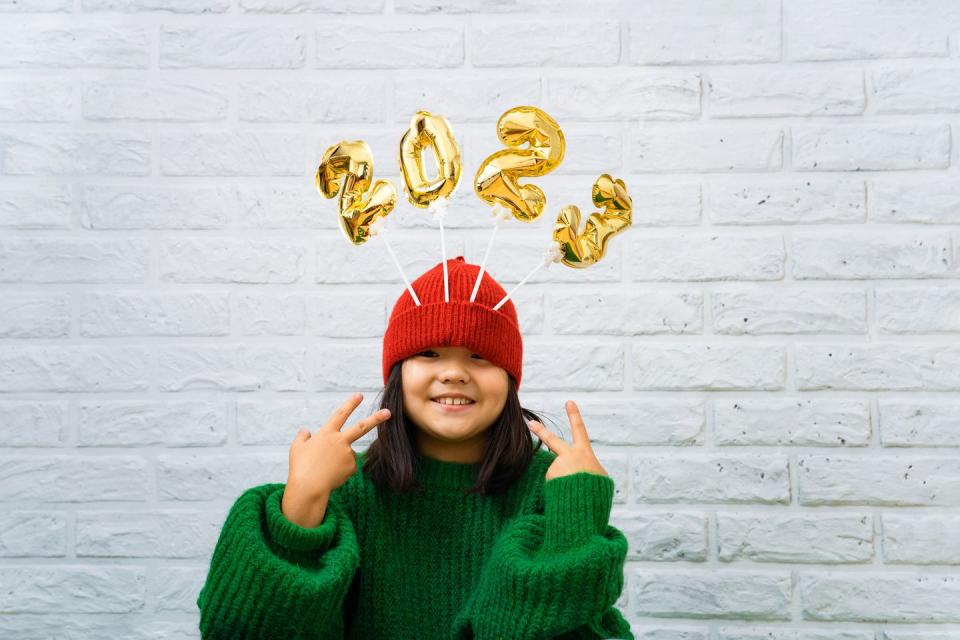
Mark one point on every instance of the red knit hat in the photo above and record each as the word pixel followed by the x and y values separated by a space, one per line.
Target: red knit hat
pixel 495 335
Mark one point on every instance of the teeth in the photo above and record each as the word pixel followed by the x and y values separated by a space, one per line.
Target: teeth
pixel 453 401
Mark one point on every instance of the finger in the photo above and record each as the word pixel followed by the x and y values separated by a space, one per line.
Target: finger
pixel 577 427
pixel 358 430
pixel 554 442
pixel 343 412
pixel 303 434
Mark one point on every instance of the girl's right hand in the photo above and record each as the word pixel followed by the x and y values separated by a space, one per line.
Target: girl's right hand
pixel 321 462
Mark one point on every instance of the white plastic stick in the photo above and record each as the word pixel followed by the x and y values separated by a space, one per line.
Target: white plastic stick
pixel 439 209
pixel 500 214
pixel 553 255
pixel 377 229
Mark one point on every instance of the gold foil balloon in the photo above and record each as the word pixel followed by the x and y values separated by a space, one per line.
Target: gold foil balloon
pixel 428 131
pixel 346 170
pixel 496 180
pixel 581 250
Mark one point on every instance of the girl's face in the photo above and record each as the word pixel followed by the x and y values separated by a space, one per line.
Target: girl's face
pixel 455 433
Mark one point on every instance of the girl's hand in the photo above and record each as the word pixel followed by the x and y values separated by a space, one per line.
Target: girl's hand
pixel 570 458
pixel 321 462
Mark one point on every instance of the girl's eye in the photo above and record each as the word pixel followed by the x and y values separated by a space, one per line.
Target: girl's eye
pixel 478 356
pixel 423 352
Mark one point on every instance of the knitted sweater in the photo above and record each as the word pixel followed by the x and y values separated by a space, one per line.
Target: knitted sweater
pixel 541 561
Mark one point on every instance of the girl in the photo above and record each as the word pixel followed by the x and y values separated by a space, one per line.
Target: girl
pixel 450 524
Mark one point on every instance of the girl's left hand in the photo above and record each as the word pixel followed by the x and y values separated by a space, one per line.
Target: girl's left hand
pixel 570 458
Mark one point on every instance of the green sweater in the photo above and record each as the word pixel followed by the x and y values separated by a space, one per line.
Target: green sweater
pixel 540 561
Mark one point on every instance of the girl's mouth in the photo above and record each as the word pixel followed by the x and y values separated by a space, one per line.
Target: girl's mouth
pixel 451 408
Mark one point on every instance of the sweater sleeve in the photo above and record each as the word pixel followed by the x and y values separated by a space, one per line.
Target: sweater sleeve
pixel 554 574
pixel 270 578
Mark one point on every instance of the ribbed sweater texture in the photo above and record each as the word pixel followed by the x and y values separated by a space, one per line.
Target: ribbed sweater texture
pixel 538 562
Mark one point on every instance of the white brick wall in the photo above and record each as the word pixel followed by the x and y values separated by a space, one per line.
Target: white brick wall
pixel 768 360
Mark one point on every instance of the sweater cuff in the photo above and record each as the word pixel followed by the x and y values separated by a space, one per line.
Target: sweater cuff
pixel 293 536
pixel 576 506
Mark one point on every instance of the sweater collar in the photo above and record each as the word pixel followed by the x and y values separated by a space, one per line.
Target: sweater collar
pixel 452 475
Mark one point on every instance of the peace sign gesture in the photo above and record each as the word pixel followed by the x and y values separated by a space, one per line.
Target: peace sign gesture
pixel 571 458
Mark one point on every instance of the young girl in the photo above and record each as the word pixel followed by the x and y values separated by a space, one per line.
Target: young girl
pixel 451 524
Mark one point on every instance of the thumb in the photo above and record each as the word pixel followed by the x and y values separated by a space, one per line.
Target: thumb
pixel 302 435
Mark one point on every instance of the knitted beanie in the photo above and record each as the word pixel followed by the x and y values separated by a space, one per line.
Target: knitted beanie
pixel 495 335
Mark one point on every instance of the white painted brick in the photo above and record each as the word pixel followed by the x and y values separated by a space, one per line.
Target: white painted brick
pixel 704 148
pixel 917 310
pixel 232 47
pixel 33 423
pixel 73 589
pixel 615 96
pixel 49 152
pixel 480 97
pixel 393 44
pixel 665 536
pixel 921 539
pixel 640 313
pixel 284 206
pixel 922 199
pixel 776 201
pixel 919 423
pixel 763 310
pixel 35 6
pixel 897 90
pixel 866 29
pixel 664 203
pixel 111 46
pixel 72 259
pixel 708 367
pixel 150 534
pixel 162 101
pixel 693 31
pixel 883 479
pixel 73 478
pixel 232 260
pixel 587 367
pixel 346 101
pixel 193 477
pixel 346 367
pixel 754 595
pixel 314 6
pixel 879 254
pixel 34 315
pixel 514 6
pixel 28 208
pixel 74 368
pixel 154 314
pixel 35 100
pixel 545 42
pixel 144 207
pixel 243 153
pixel 173 6
pixel 784 421
pixel 792 633
pixel 231 367
pixel 695 256
pixel 878 366
pixel 33 534
pixel 737 93
pixel 804 539
pixel 900 596
pixel 871 147
pixel 708 479
pixel 140 423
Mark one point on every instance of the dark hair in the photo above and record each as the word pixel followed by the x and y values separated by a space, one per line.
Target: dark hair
pixel 390 459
